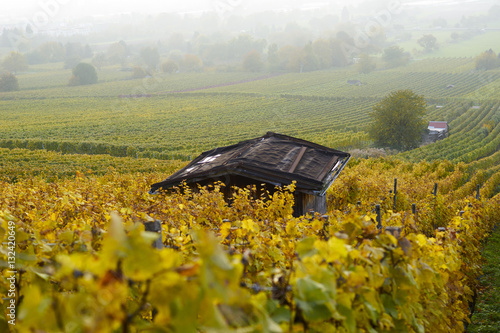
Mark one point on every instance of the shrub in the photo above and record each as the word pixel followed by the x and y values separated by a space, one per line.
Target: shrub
pixel 8 82
pixel 83 74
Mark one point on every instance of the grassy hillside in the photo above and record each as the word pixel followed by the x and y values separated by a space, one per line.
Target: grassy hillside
pixel 448 47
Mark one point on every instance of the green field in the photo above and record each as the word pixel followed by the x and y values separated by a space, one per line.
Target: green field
pixel 470 47
pixel 184 114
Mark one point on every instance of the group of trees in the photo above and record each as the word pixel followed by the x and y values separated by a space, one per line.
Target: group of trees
pixel 239 53
pixel 395 56
pixel 146 60
pixel 69 53
pixel 481 21
pixel 322 53
pixel 244 51
pixel 291 49
pixel 14 62
pixel 487 60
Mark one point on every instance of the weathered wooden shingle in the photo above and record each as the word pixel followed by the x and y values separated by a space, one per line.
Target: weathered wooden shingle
pixel 274 159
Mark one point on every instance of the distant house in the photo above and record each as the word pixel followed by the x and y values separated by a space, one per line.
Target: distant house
pixel 271 160
pixel 438 126
pixel 437 130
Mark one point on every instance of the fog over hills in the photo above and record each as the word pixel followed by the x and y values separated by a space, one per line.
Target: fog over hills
pixel 191 25
pixel 72 9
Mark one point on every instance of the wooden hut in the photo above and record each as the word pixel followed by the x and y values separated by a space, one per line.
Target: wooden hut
pixel 269 161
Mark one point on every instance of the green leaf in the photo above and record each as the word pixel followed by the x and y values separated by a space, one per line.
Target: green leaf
pixel 281 315
pixel 305 247
pixel 313 311
pixel 312 298
pixel 389 305
pixel 350 321
pixel 311 290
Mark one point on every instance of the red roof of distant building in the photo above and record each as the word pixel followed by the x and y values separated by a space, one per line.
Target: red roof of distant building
pixel 438 124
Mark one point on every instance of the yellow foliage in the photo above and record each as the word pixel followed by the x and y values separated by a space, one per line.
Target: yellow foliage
pixel 85 263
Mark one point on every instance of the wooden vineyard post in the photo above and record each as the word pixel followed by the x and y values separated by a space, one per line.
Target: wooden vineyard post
pixel 413 208
pixel 155 226
pixel 434 192
pixel 477 192
pixel 395 193
pixel 461 218
pixel 379 217
pixel 326 225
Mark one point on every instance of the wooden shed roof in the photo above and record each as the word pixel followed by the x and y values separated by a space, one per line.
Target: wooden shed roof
pixel 273 158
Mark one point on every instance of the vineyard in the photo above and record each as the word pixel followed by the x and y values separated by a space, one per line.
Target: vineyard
pixel 17 164
pixel 436 78
pixel 76 164
pixel 160 117
pixel 185 124
pixel 252 265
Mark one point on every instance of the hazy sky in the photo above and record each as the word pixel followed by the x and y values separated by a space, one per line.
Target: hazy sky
pixel 60 10
pixel 75 8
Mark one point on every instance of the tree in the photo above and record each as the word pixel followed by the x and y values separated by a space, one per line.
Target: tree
pixel 310 62
pixel 117 53
pixel 139 73
pixel 341 56
pixel 366 64
pixel 428 42
pixel 398 120
pixel 323 50
pixel 487 60
pixel 52 52
pixel 243 44
pixel 34 57
pixel 291 58
pixel 99 60
pixel 272 57
pixel 169 66
pixel 150 56
pixel 14 62
pixel 395 56
pixel 455 37
pixel 83 74
pixel 252 62
pixel 8 82
pixel 192 63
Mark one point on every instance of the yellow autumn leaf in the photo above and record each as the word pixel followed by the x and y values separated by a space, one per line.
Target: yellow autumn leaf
pixel 225 229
